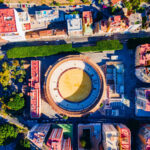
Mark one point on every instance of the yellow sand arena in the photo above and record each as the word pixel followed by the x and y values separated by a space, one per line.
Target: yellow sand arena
pixel 74 85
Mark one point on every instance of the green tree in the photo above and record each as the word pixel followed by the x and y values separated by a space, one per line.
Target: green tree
pixel 84 1
pixel 17 103
pixel 5 78
pixel 128 5
pixel 83 143
pixel 1 1
pixel 75 12
pixel 15 63
pixel 5 65
pixel 24 144
pixel 71 1
pixel 20 80
pixel 8 133
pixel 65 117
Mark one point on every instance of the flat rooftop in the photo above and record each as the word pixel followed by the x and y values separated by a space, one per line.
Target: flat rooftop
pixel 7 21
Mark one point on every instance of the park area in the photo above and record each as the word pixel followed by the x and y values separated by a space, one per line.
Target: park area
pixel 47 50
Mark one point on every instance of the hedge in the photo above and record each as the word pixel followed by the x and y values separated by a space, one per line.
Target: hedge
pixel 47 50
pixel 134 42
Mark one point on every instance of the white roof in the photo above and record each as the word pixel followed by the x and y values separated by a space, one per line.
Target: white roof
pixel 74 24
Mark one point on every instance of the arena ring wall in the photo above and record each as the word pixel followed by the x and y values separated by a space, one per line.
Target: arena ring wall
pixel 80 108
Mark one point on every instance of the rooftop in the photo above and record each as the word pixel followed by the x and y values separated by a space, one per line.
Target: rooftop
pixel 142 62
pixel 38 133
pixel 7 21
pixel 35 96
pixel 74 24
pixel 47 15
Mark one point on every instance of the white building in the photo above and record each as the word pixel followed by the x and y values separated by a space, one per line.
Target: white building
pixel 74 24
pixel 135 22
pixel 10 26
pixel 74 27
pixel 48 15
pixel 110 137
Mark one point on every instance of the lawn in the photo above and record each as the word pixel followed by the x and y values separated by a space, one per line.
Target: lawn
pixel 47 50
pixel 67 129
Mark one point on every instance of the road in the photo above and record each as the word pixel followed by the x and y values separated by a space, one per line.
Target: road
pixel 76 40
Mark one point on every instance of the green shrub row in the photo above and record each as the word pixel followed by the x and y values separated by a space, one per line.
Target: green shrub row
pixel 47 50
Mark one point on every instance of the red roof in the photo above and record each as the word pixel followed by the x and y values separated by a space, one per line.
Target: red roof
pixel 56 134
pixel 55 139
pixel 117 18
pixel 87 15
pixel 115 1
pixel 67 144
pixel 27 26
pixel 7 21
pixel 125 137
pixel 35 96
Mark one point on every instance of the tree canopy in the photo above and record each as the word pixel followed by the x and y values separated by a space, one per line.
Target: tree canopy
pixel 7 134
pixel 24 144
pixel 16 103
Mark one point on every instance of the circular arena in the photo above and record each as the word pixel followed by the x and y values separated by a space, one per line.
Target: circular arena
pixel 74 86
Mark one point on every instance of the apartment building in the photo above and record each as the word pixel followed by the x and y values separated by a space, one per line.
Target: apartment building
pixel 38 133
pixel 124 137
pixel 142 62
pixel 110 137
pixel 74 25
pixel 115 103
pixel 117 24
pixel 55 139
pixel 142 103
pixel 87 22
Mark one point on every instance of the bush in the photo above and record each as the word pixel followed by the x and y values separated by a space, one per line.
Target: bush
pixel 8 133
pixel 20 80
pixel 16 103
pixel 65 117
pixel 75 12
pixel 84 1
pixel 101 105
pixel 83 143
pixel 71 1
pixel 47 50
